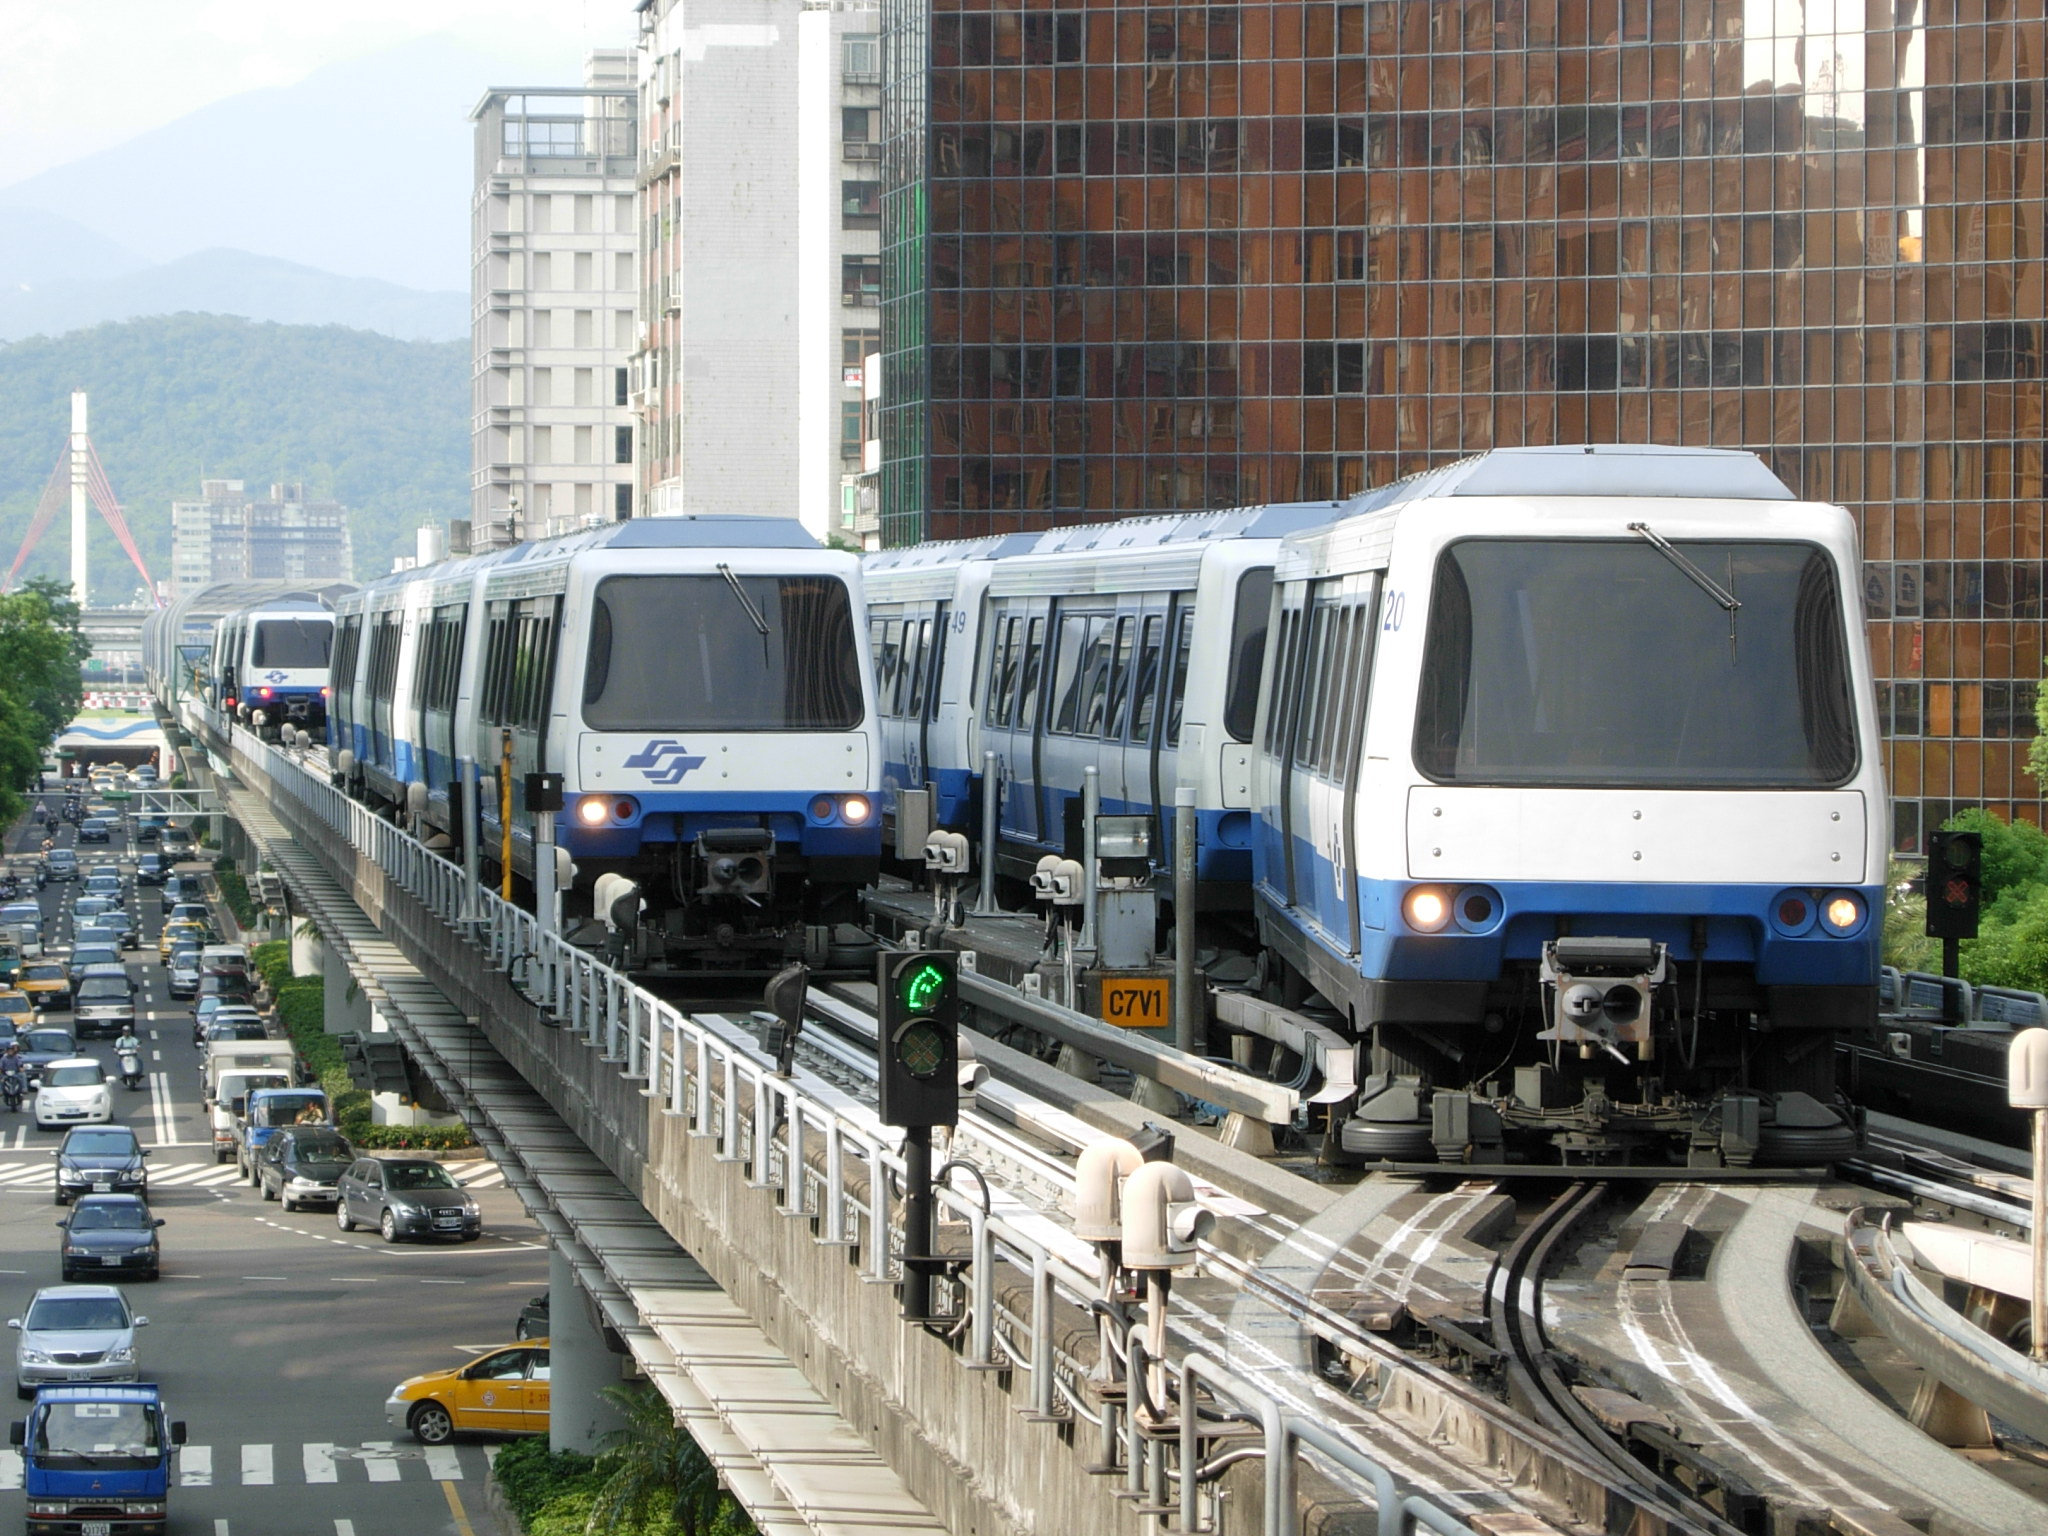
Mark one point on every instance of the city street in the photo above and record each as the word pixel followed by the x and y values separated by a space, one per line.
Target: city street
pixel 275 1337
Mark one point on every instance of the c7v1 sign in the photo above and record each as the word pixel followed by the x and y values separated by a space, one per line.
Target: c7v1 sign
pixel 1135 1002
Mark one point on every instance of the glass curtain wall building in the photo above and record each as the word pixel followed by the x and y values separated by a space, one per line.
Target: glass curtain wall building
pixel 1140 259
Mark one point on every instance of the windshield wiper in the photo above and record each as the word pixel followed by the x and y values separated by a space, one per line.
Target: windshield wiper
pixel 1699 578
pixel 740 592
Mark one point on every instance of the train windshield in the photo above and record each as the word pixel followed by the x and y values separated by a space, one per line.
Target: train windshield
pixel 1596 662
pixel 291 643
pixel 722 652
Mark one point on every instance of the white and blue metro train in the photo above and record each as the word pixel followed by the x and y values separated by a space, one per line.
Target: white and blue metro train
pixel 1560 785
pixel 1134 647
pixel 270 663
pixel 699 684
pixel 250 648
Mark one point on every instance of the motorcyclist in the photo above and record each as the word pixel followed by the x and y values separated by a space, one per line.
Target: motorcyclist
pixel 13 1075
pixel 128 1044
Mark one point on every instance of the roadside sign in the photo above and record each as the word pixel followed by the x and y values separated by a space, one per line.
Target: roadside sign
pixel 1135 1002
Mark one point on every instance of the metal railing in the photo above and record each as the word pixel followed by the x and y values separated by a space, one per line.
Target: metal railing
pixel 710 1073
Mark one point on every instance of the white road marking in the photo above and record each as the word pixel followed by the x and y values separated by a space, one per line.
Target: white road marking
pixel 20 1136
pixel 344 1528
pixel 160 1106
pixel 256 1467
pixel 220 1528
pixel 319 1459
pixel 443 1465
pixel 380 1461
pixel 10 1469
pixel 195 1467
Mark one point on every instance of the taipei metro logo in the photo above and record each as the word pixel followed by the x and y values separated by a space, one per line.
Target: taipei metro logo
pixel 274 677
pixel 663 762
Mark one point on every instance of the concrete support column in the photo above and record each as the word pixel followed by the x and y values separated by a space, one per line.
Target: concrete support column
pixel 580 1367
pixel 343 1013
pixel 309 950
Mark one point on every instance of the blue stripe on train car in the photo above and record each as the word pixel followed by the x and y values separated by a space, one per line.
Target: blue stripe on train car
pixel 1738 918
pixel 671 817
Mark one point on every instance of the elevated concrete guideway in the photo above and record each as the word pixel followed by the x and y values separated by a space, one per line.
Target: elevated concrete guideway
pixel 741 1232
pixel 736 1391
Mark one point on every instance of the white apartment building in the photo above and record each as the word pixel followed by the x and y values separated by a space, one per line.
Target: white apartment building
pixel 230 535
pixel 553 275
pixel 760 207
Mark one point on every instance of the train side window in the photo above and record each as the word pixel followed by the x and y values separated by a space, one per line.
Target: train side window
pixel 1277 695
pixel 1027 684
pixel 1176 695
pixel 1002 689
pixel 913 705
pixel 992 706
pixel 1095 686
pixel 887 657
pixel 1343 683
pixel 1120 679
pixel 1317 635
pixel 1247 652
pixel 1066 672
pixel 1145 701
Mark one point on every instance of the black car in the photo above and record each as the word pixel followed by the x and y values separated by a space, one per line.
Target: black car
pixel 151 869
pixel 94 830
pixel 98 1160
pixel 406 1197
pixel 110 1235
pixel 149 828
pixel 533 1319
pixel 301 1164
pixel 40 1047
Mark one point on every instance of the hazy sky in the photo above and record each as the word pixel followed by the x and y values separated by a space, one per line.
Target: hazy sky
pixel 82 75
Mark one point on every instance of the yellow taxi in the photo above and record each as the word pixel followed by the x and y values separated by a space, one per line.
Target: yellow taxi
pixel 503 1391
pixel 16 1008
pixel 46 982
pixel 168 939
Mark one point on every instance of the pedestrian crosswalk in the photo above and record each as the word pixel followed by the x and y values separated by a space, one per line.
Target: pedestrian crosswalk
pixel 40 1177
pixel 319 1462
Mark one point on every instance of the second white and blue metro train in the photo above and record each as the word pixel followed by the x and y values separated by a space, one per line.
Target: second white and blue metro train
pixel 700 686
pixel 1560 786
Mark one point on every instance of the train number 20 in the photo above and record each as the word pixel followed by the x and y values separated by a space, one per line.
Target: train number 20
pixel 1393 610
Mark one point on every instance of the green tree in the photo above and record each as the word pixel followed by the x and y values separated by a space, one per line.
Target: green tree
pixel 2015 852
pixel 40 686
pixel 653 1469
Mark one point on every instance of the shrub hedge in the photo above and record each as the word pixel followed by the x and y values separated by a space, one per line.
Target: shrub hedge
pixel 234 890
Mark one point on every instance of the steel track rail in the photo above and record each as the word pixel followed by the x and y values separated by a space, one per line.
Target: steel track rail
pixel 1514 1298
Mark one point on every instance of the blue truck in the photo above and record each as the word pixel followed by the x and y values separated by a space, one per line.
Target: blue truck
pixel 96 1460
pixel 268 1110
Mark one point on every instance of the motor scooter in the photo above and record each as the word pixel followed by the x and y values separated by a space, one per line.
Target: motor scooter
pixel 131 1069
pixel 13 1089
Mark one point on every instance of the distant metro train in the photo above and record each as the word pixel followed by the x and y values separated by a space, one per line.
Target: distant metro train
pixel 1561 786
pixel 257 646
pixel 702 687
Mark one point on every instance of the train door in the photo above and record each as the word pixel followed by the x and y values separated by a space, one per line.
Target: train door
pixel 1005 730
pixel 1083 644
pixel 1142 716
pixel 933 665
pixel 1311 634
pixel 1017 764
pixel 1363 600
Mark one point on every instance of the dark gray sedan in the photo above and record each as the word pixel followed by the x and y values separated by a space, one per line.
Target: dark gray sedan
pixel 110 1235
pixel 406 1197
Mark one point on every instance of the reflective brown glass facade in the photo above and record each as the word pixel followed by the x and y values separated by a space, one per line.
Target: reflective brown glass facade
pixel 1188 256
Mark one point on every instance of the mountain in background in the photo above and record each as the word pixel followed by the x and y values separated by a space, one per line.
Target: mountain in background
pixel 228 283
pixel 363 169
pixel 379 424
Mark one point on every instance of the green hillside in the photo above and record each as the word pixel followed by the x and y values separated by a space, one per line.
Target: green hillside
pixel 379 424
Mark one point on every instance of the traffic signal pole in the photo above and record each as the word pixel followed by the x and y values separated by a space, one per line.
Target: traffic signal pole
pixel 920 1212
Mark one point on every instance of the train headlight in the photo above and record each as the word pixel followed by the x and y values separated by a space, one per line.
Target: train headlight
pixel 1477 908
pixel 1842 913
pixel 1792 913
pixel 593 811
pixel 854 810
pixel 1426 909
